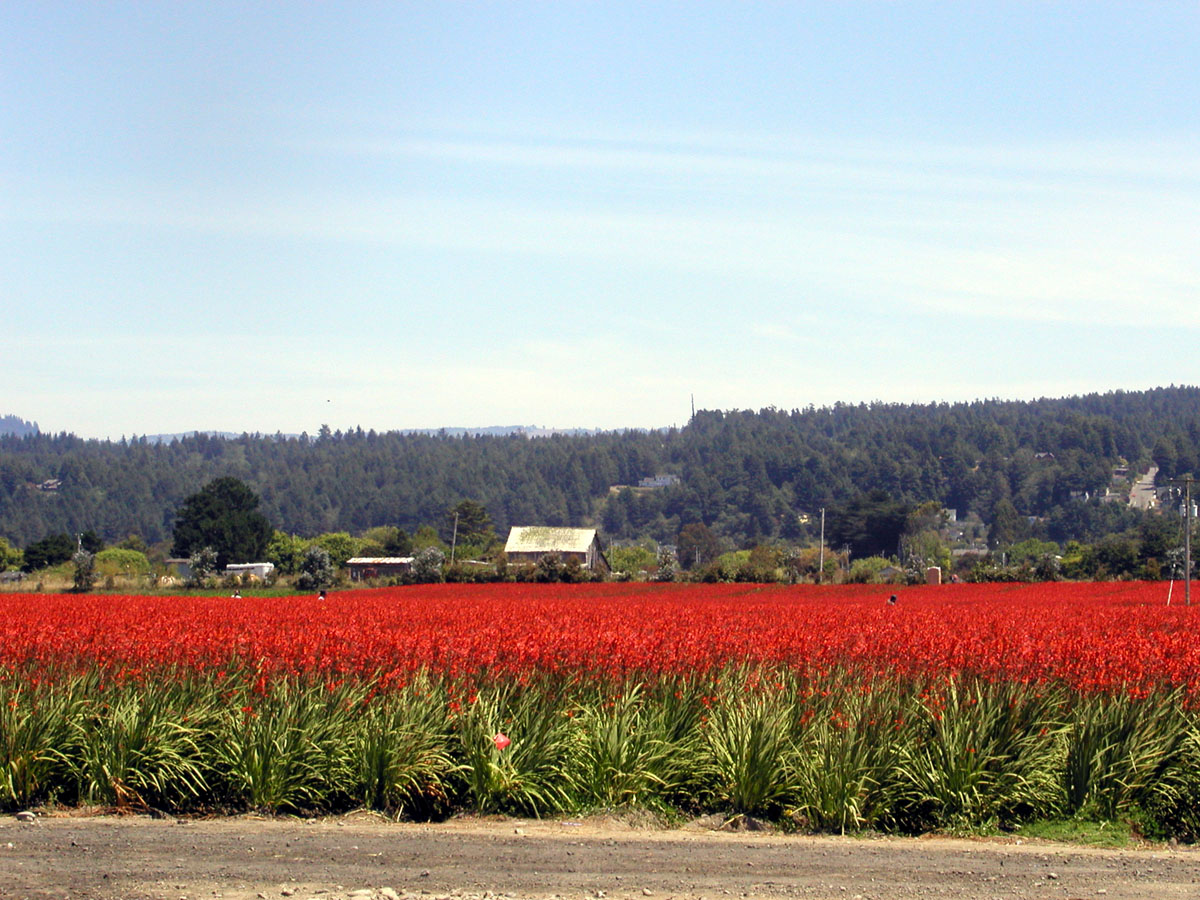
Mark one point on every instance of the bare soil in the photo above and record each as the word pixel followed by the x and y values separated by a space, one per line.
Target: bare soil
pixel 362 857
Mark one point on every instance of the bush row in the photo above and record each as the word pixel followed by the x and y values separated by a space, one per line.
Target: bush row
pixel 833 754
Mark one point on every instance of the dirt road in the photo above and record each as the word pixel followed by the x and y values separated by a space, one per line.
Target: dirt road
pixel 1142 495
pixel 362 858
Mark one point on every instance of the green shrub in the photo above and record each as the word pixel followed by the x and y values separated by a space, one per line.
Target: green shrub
pixel 117 561
pixel 867 570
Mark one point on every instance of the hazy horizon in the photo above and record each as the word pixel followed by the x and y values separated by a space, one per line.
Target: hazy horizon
pixel 540 428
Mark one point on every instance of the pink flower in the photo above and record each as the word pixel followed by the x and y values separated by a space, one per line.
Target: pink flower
pixel 501 740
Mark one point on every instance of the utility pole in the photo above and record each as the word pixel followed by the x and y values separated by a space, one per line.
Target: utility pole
pixel 1186 481
pixel 821 557
pixel 1187 541
pixel 454 538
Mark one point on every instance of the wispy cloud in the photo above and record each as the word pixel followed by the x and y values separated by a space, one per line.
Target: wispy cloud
pixel 1173 158
pixel 1054 233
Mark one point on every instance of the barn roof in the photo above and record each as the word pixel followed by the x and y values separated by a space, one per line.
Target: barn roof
pixel 548 539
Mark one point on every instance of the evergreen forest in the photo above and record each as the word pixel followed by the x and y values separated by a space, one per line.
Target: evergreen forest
pixel 749 476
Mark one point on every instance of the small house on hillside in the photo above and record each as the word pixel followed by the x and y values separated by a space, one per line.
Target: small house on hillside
pixel 367 567
pixel 529 543
pixel 657 482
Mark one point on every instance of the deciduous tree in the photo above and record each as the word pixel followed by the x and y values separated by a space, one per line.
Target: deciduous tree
pixel 316 569
pixel 697 546
pixel 427 565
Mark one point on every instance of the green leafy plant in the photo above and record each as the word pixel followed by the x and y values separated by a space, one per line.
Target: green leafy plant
pixel 138 748
pixel 636 748
pixel 747 743
pixel 288 745
pixel 982 753
pixel 36 720
pixel 847 754
pixel 515 742
pixel 402 753
pixel 1117 748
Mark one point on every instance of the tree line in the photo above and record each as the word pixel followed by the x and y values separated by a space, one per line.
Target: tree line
pixel 1027 469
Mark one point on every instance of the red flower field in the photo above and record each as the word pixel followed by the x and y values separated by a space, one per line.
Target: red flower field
pixel 959 705
pixel 1090 636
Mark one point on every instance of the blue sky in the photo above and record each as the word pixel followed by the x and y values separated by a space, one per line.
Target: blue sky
pixel 267 217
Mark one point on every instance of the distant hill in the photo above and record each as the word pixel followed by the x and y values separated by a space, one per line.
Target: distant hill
pixel 167 438
pixel 502 430
pixel 19 427
pixel 751 476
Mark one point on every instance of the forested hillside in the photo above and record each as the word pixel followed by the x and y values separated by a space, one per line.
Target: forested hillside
pixel 750 476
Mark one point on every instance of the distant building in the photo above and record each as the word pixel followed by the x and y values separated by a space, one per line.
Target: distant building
pixel 978 550
pixel 363 568
pixel 50 484
pixel 528 543
pixel 259 570
pixel 658 481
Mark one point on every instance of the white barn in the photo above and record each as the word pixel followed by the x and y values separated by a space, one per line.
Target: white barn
pixel 528 543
